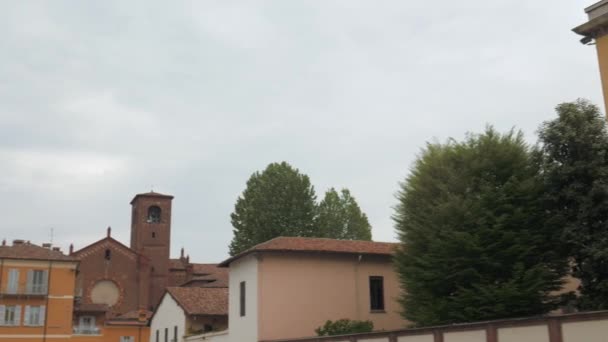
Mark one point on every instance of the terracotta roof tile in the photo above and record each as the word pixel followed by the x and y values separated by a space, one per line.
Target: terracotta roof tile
pixel 27 250
pixel 151 194
pixel 89 307
pixel 177 264
pixel 207 281
pixel 201 301
pixel 320 245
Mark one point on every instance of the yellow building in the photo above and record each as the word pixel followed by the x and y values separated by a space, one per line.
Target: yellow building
pixel 37 296
pixel 595 31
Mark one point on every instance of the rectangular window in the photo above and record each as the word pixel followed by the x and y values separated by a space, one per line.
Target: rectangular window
pixel 37 281
pixel 157 336
pixel 10 315
pixel 242 298
pixel 34 315
pixel 376 293
pixel 127 339
pixel 166 334
pixel 175 333
pixel 13 281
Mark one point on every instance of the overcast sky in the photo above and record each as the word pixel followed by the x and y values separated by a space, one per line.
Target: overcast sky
pixel 102 100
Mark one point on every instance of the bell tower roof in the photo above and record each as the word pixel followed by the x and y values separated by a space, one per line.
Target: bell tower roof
pixel 151 194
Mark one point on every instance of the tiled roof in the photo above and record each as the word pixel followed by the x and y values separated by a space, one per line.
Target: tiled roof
pixel 319 245
pixel 177 264
pixel 201 301
pixel 134 315
pixel 89 307
pixel 151 194
pixel 208 269
pixel 207 281
pixel 131 318
pixel 30 251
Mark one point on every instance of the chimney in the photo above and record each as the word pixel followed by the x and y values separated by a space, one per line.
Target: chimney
pixel 142 316
pixel 188 258
pixel 18 242
pixel 46 245
pixel 71 248
pixel 57 249
pixel 109 231
pixel 182 254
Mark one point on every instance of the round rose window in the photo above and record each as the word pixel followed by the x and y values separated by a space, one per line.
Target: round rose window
pixel 105 292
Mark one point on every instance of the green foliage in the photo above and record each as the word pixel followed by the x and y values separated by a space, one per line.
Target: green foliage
pixel 339 217
pixel 280 201
pixel 474 243
pixel 575 166
pixel 344 327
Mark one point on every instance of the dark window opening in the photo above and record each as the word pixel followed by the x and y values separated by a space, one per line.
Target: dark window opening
pixel 242 298
pixel 208 328
pixel 157 336
pixel 166 334
pixel 376 293
pixel 153 235
pixel 108 255
pixel 154 214
pixel 175 333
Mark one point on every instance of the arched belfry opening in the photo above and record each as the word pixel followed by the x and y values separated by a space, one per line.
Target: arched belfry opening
pixel 154 214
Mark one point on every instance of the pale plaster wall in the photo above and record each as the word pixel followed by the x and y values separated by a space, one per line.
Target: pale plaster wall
pixel 379 339
pixel 602 55
pixel 299 292
pixel 168 315
pixel 221 336
pixel 416 338
pixel 243 329
pixel 537 333
pixel 593 331
pixel 466 336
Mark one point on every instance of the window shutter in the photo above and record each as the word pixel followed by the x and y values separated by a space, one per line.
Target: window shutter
pixel 42 315
pixel 30 281
pixel 26 315
pixel 18 315
pixel 2 314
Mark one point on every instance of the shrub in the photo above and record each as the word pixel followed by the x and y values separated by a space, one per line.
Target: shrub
pixel 343 327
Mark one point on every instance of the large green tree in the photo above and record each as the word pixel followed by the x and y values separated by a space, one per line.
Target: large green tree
pixel 339 217
pixel 279 201
pixel 474 245
pixel 575 155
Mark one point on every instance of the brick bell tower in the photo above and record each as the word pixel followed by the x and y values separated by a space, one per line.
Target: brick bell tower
pixel 151 237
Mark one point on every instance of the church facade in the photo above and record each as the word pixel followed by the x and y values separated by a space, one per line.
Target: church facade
pixel 120 281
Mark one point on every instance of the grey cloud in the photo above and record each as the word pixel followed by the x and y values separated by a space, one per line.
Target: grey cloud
pixel 99 101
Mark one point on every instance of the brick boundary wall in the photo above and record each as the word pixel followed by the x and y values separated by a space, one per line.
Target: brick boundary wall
pixel 553 324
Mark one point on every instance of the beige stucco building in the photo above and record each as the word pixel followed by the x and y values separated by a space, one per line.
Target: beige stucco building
pixel 595 31
pixel 287 287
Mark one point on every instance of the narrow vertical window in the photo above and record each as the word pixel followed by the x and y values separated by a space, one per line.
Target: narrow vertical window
pixel 108 254
pixel 242 298
pixel 157 336
pixel 13 280
pixel 166 334
pixel 175 333
pixel 37 282
pixel 376 293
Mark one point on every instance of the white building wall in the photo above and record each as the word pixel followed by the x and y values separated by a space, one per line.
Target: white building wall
pixel 168 315
pixel 243 329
